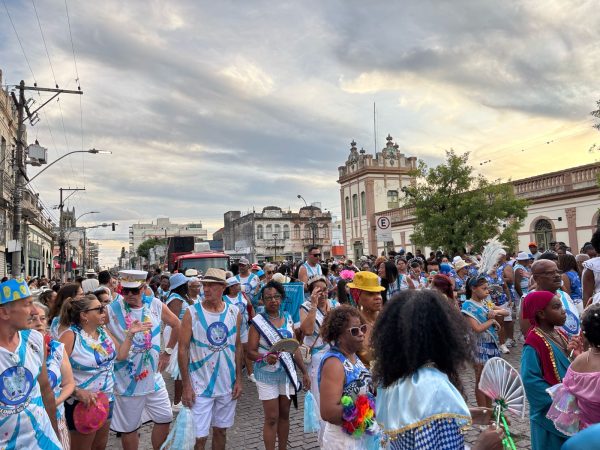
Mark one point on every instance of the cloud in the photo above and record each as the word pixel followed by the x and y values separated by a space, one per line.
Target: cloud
pixel 216 106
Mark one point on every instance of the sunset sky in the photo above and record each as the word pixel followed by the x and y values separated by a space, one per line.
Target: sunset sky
pixel 216 106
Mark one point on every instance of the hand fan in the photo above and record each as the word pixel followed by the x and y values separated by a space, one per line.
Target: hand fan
pixel 285 345
pixel 502 383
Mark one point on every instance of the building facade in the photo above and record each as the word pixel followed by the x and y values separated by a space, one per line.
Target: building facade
pixel 275 234
pixel 36 229
pixel 369 184
pixel 163 228
pixel 563 208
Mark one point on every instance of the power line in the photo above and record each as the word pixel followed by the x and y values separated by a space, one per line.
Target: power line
pixel 72 46
pixel 44 41
pixel 19 39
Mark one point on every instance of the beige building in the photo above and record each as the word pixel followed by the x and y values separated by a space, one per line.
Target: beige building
pixel 370 184
pixel 563 205
pixel 563 208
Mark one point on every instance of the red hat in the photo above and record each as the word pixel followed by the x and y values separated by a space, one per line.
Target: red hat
pixel 532 244
pixel 536 301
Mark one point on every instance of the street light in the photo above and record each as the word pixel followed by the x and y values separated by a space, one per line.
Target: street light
pixel 92 151
pixel 84 238
pixel 275 235
pixel 312 222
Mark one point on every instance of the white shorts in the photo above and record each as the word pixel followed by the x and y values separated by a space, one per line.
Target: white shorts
pixel 272 391
pixel 505 307
pixel 131 412
pixel 217 412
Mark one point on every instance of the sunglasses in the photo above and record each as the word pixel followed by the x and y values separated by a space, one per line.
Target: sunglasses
pixel 100 309
pixel 270 299
pixel 270 272
pixel 133 291
pixel 354 331
pixel 318 255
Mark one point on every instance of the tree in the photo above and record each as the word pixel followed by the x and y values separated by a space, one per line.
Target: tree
pixel 144 247
pixel 455 210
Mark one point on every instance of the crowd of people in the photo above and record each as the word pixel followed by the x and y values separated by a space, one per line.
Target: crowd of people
pixel 380 344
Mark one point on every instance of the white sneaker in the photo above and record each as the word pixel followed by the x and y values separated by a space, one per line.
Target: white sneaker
pixel 504 349
pixel 176 407
pixel 251 378
pixel 510 342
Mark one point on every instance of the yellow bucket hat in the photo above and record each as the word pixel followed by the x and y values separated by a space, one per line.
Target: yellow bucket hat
pixel 366 281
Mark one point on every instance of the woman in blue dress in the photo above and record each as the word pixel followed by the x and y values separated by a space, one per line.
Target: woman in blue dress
pixel 342 373
pixel 571 281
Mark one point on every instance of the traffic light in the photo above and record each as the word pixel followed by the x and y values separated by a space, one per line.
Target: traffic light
pixel 113 226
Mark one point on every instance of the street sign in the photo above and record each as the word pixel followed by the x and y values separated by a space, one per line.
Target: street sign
pixel 384 229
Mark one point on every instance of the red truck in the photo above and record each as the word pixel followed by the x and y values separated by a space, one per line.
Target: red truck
pixel 184 253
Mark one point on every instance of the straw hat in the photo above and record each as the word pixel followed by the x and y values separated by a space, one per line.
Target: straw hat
pixel 214 276
pixel 366 281
pixel 461 265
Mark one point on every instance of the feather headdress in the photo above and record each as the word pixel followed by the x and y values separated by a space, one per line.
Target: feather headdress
pixel 489 257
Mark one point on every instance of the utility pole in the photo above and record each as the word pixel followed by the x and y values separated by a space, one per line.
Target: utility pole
pixel 19 163
pixel 61 240
pixel 275 237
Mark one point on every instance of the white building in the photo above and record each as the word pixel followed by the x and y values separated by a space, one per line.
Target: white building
pixel 277 234
pixel 163 228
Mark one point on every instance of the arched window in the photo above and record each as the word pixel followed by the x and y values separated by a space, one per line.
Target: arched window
pixel 543 233
pixel 363 203
pixel 354 205
pixel 392 197
pixel 269 231
pixel 286 231
pixel 259 232
pixel 325 232
pixel 296 231
pixel 307 233
pixel 277 231
pixel 347 205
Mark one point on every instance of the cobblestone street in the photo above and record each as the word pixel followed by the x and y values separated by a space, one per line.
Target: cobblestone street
pixel 247 430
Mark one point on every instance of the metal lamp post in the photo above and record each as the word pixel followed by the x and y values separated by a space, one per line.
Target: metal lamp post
pixel 312 219
pixel 275 236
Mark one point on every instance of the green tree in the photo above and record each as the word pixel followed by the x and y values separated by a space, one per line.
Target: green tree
pixel 144 247
pixel 455 209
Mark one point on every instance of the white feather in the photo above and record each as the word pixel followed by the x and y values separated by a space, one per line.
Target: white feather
pixel 489 257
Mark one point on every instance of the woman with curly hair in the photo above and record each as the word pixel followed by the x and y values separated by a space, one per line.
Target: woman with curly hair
pixel 341 373
pixel 419 349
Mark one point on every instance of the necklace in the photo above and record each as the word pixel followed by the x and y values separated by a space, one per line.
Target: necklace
pixel 560 340
pixel 278 316
pixel 101 345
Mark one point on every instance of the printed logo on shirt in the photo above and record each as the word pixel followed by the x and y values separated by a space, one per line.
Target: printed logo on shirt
pixel 16 383
pixel 572 323
pixel 285 333
pixel 53 379
pixel 216 334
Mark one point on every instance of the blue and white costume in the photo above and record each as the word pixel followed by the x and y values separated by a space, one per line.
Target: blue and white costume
pixel 487 341
pixel 273 380
pixel 24 422
pixel 173 367
pixel 212 350
pixel 212 366
pixel 249 286
pixel 242 305
pixel 423 411
pixel 54 360
pixel 92 370
pixel 357 381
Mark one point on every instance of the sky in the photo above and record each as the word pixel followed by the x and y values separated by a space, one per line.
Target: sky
pixel 215 106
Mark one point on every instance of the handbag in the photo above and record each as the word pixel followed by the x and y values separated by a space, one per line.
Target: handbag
pixel 306 352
